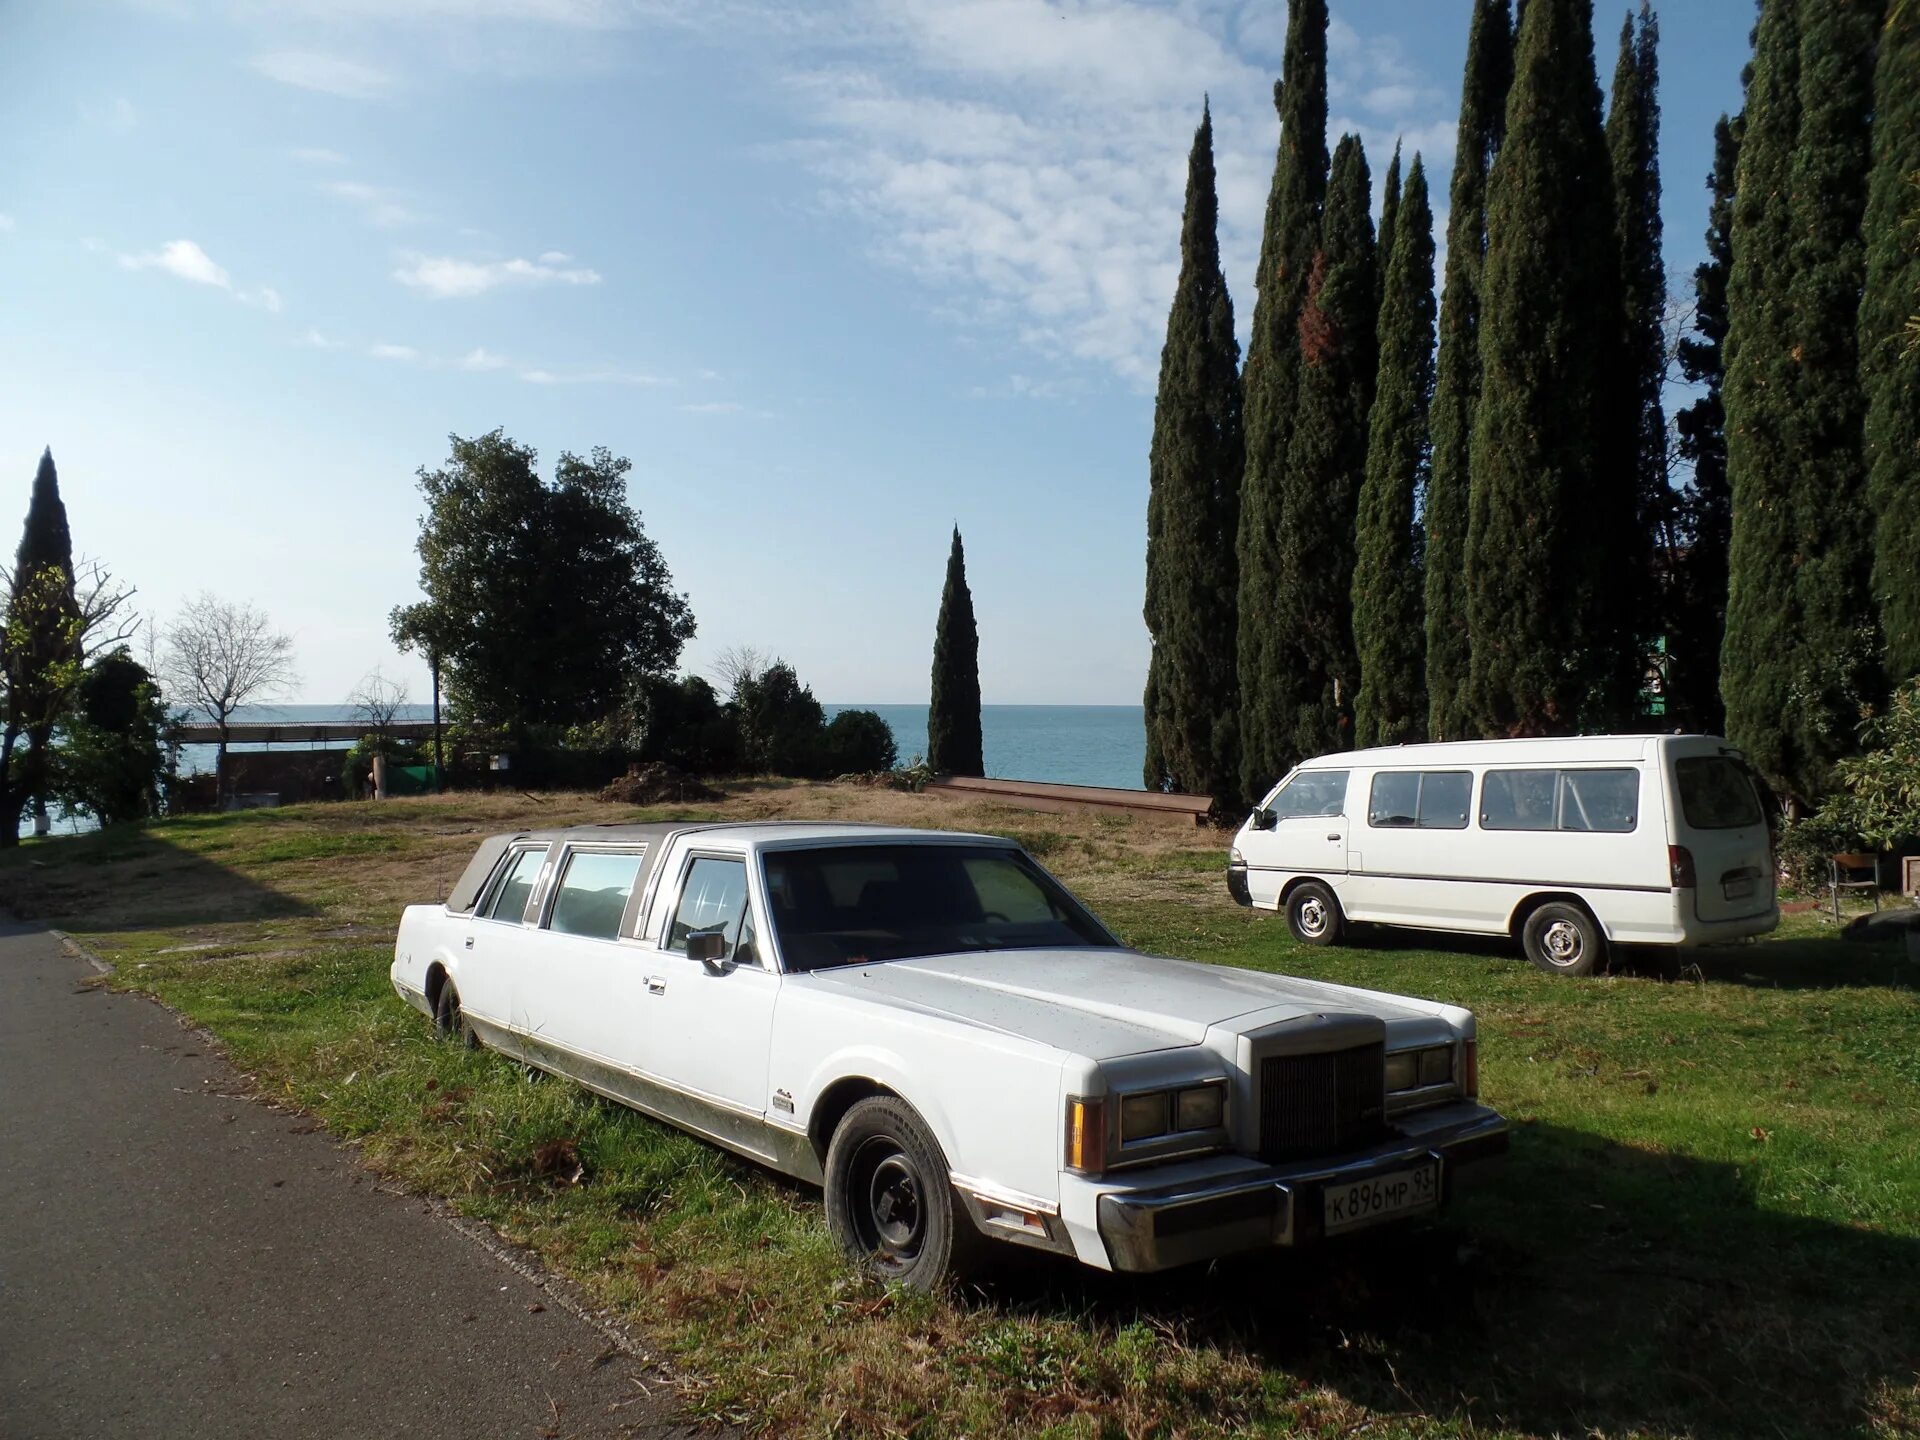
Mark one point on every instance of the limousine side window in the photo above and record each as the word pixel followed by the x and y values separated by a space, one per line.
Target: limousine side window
pixel 714 898
pixel 592 893
pixel 1311 792
pixel 1590 800
pixel 509 900
pixel 1423 799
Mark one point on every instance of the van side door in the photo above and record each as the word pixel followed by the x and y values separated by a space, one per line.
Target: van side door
pixel 1304 833
pixel 1411 854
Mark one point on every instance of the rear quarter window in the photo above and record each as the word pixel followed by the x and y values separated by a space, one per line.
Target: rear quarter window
pixel 1716 794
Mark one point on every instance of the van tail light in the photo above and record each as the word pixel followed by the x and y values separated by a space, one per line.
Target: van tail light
pixel 1680 866
pixel 1470 1070
pixel 1086 1135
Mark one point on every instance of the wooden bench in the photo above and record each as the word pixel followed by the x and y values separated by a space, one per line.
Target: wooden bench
pixel 1041 795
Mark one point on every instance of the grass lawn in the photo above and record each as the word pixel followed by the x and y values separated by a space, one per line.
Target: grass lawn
pixel 1709 1225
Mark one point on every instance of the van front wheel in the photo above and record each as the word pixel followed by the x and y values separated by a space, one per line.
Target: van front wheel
pixel 1313 915
pixel 1563 940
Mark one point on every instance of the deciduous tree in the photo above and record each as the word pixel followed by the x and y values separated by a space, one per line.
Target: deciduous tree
pixel 222 654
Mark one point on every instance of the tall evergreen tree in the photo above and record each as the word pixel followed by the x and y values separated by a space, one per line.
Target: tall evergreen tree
pixel 1326 461
pixel 953 720
pixel 1391 706
pixel 1700 611
pixel 1389 216
pixel 1193 510
pixel 1273 359
pixel 1838 630
pixel 40 649
pixel 1456 393
pixel 1551 497
pixel 1889 360
pixel 1633 148
pixel 1759 649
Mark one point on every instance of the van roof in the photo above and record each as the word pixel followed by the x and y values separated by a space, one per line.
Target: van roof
pixel 1484 752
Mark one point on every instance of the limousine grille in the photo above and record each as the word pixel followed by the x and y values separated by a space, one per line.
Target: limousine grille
pixel 1314 1105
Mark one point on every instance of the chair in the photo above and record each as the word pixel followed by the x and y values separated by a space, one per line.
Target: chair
pixel 1853 872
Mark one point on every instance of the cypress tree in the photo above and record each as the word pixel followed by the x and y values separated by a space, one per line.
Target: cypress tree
pixel 1193 509
pixel 1700 612
pixel 1456 392
pixel 1273 355
pixel 1326 461
pixel 1633 148
pixel 1838 631
pixel 1391 706
pixel 1889 356
pixel 40 648
pixel 953 719
pixel 1389 216
pixel 1551 506
pixel 1758 650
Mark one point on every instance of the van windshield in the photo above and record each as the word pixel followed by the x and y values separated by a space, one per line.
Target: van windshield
pixel 1716 794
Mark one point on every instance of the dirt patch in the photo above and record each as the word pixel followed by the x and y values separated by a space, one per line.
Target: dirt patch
pixel 658 785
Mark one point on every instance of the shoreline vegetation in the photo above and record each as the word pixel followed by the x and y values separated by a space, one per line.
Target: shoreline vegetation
pixel 1709 1225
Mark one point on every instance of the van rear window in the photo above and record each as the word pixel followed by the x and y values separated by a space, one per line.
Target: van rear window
pixel 1592 800
pixel 1716 794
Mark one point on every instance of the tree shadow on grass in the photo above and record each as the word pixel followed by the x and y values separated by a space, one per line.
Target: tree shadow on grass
pixel 1589 1288
pixel 128 878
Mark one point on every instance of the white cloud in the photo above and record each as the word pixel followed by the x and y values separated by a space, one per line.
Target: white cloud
pixel 265 296
pixel 318 155
pixel 6 222
pixel 384 351
pixel 320 342
pixel 555 257
pixel 481 358
pixel 328 74
pixel 713 407
pixel 377 206
pixel 184 259
pixel 446 277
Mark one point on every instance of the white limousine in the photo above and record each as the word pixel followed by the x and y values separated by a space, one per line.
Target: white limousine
pixel 932 1028
pixel 1564 844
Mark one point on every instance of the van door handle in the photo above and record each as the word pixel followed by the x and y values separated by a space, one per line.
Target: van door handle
pixel 1333 837
pixel 656 985
pixel 469 942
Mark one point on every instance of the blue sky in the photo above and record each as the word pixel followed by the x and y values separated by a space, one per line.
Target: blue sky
pixel 834 275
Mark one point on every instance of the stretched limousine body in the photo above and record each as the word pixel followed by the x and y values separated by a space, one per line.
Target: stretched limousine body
pixel 932 1028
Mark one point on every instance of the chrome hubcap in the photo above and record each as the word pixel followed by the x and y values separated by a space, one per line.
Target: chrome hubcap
pixel 1561 941
pixel 1313 916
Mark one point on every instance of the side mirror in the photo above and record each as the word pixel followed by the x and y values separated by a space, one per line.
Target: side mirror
pixel 709 947
pixel 1264 819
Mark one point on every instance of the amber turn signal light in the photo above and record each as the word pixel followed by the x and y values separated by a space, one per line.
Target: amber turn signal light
pixel 1086 1134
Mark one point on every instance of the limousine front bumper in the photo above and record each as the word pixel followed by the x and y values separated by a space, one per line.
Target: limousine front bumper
pixel 1232 1204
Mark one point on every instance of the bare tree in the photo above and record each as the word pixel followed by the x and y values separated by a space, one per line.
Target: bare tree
pixel 377 701
pixel 738 664
pixel 220 654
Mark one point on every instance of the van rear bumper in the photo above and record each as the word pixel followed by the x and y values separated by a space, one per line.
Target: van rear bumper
pixel 1692 930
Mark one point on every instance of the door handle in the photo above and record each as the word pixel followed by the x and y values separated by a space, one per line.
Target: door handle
pixel 469 942
pixel 656 985
pixel 1333 837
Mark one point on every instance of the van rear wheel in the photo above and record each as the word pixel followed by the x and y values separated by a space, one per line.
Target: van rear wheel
pixel 1563 940
pixel 1313 915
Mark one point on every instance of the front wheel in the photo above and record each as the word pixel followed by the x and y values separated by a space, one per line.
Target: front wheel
pixel 448 1022
pixel 1563 940
pixel 1313 915
pixel 890 1197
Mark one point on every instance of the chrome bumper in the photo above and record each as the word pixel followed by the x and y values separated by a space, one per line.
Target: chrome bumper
pixel 1264 1205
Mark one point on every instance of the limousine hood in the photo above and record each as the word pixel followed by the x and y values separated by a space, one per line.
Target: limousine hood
pixel 1098 1003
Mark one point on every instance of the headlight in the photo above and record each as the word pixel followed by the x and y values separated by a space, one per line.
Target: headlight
pixel 1418 1069
pixel 1204 1107
pixel 1234 857
pixel 1142 1117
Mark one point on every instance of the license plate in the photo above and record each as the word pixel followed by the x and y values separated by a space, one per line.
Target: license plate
pixel 1740 889
pixel 1398 1192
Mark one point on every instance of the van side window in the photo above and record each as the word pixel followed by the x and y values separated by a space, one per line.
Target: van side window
pixel 1311 792
pixel 1428 799
pixel 1590 800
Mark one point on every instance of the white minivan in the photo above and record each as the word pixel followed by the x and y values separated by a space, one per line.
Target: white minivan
pixel 1568 845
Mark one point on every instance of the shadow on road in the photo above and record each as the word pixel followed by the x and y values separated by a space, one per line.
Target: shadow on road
pixel 127 878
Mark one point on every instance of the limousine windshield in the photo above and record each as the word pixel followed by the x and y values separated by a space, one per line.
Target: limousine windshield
pixel 853 904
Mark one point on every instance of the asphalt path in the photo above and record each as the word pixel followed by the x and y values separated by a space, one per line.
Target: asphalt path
pixel 177 1259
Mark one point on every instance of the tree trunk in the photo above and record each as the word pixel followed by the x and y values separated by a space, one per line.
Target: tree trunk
pixel 11 798
pixel 439 771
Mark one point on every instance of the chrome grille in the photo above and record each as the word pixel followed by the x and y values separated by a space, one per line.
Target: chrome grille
pixel 1321 1104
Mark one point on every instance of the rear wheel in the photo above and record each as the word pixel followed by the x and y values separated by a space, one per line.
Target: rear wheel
pixel 1563 940
pixel 1313 915
pixel 890 1199
pixel 448 1022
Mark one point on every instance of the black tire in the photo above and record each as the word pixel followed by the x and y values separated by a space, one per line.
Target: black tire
pixel 1313 915
pixel 448 1021
pixel 890 1202
pixel 1563 940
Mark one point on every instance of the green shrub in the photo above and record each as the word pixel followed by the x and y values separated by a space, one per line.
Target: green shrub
pixel 859 742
